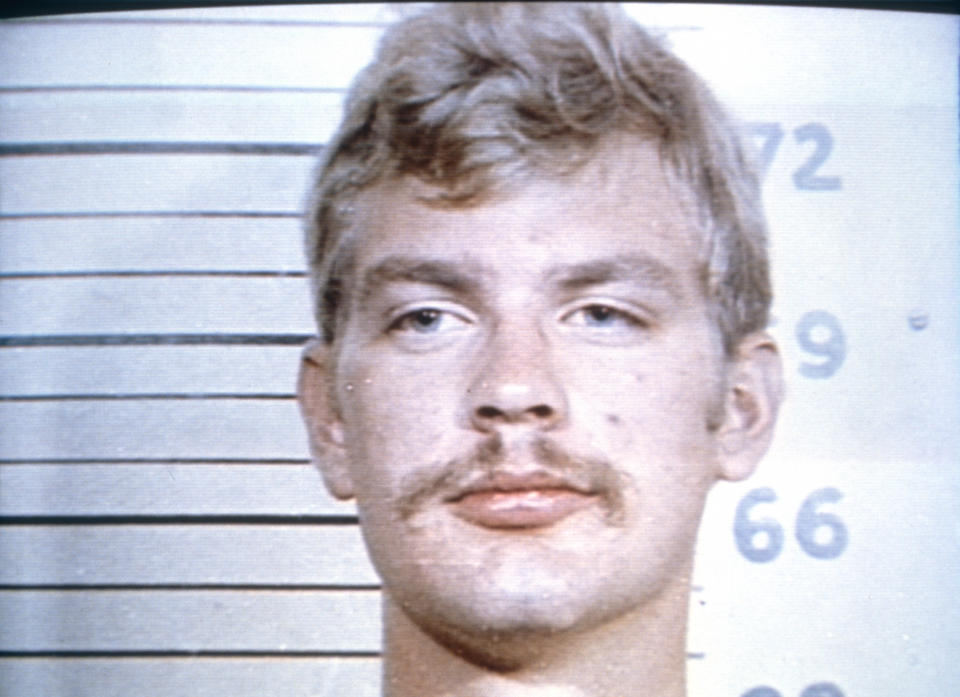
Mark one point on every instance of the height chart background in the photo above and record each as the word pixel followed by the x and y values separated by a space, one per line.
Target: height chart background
pixel 163 532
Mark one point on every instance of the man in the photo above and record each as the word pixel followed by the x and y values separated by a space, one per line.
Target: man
pixel 541 280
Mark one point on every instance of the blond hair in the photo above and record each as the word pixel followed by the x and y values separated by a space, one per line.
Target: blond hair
pixel 470 97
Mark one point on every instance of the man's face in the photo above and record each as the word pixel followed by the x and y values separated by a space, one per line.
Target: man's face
pixel 528 394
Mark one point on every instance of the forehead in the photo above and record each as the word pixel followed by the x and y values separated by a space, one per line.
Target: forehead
pixel 622 202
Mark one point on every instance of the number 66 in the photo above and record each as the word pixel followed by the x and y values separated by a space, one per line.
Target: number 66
pixel 809 520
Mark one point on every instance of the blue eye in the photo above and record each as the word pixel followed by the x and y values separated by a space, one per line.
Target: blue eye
pixel 603 316
pixel 599 315
pixel 422 321
pixel 428 320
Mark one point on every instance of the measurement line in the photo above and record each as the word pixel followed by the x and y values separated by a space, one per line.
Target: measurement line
pixel 158 148
pixel 134 396
pixel 154 340
pixel 105 6
pixel 273 587
pixel 185 653
pixel 181 519
pixel 131 273
pixel 155 461
pixel 208 653
pixel 150 214
pixel 172 88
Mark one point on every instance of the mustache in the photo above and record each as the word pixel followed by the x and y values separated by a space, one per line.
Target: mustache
pixel 458 476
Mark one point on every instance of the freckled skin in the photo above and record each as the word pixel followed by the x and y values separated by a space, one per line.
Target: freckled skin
pixel 524 354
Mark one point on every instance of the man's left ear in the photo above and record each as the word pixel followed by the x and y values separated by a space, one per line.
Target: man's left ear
pixel 754 390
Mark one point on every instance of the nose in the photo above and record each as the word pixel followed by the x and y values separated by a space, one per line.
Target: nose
pixel 516 384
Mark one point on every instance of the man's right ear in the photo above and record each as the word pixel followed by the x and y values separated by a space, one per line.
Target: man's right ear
pixel 321 416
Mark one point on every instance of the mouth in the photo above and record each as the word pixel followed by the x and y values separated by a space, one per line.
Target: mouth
pixel 505 501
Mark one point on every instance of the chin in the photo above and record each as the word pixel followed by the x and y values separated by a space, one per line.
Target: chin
pixel 508 633
pixel 502 620
pixel 525 613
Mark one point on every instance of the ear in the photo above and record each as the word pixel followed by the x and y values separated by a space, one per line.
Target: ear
pixel 754 391
pixel 320 414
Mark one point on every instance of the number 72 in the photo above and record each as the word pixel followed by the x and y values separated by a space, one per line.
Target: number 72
pixel 805 177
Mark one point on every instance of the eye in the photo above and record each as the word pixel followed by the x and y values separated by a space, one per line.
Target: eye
pixel 427 320
pixel 603 317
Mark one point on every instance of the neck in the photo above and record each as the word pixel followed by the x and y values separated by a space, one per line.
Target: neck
pixel 642 653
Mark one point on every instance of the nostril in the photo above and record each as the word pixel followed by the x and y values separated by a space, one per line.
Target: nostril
pixel 542 411
pixel 488 412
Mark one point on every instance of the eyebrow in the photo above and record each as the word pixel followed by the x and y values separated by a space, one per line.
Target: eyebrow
pixel 466 277
pixel 458 278
pixel 635 268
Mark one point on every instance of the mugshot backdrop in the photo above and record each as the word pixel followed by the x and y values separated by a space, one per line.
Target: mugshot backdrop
pixel 163 532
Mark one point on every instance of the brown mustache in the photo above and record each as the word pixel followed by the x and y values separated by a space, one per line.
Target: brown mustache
pixel 460 475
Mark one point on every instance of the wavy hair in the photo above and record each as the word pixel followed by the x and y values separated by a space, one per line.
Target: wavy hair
pixel 469 98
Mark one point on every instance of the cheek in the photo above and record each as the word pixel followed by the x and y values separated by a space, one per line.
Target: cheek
pixel 627 398
pixel 394 425
pixel 654 416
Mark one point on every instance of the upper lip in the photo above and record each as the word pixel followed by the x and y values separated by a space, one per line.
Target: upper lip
pixel 505 481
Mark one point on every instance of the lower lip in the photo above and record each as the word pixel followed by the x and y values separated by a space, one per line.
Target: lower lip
pixel 535 508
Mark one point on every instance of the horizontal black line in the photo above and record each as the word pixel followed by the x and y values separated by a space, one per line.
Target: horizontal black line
pixel 274 587
pixel 154 340
pixel 130 273
pixel 156 461
pixel 185 653
pixel 172 88
pixel 180 519
pixel 225 21
pixel 150 214
pixel 157 148
pixel 134 396
pixel 209 653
